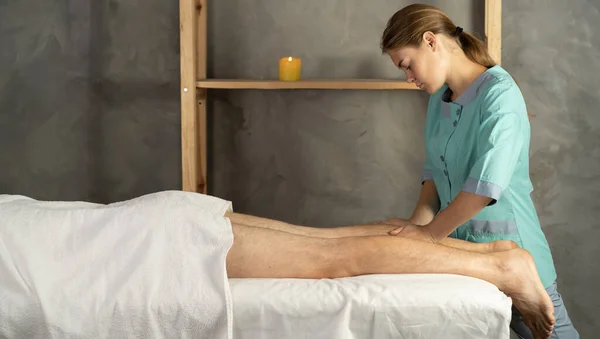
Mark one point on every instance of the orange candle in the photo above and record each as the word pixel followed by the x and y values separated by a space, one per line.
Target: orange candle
pixel 290 69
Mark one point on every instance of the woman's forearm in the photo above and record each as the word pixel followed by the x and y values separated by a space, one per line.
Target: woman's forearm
pixel 464 207
pixel 427 206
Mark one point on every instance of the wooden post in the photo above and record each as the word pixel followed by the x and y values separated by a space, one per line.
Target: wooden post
pixel 193 105
pixel 493 28
pixel 201 38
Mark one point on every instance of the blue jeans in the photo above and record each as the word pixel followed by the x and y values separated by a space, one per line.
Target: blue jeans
pixel 563 327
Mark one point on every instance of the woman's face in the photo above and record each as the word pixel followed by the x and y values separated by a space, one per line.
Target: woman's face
pixel 423 65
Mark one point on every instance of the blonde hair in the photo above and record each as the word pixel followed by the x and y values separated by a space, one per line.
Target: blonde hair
pixel 407 26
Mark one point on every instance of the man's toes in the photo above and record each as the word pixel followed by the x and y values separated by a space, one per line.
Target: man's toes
pixel 537 329
pixel 546 331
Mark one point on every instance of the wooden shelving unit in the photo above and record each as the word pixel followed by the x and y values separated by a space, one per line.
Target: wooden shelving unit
pixel 366 84
pixel 195 85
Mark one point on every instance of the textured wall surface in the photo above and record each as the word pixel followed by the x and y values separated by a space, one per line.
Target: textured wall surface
pixel 558 68
pixel 89 109
pixel 89 105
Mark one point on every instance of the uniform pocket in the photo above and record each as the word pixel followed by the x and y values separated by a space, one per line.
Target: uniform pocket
pixel 554 295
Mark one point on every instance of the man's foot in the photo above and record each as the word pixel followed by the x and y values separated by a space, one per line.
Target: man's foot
pixel 523 285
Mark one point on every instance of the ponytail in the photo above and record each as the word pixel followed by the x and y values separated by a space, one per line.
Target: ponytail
pixel 474 49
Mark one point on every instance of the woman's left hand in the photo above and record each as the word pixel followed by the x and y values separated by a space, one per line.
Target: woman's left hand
pixel 413 232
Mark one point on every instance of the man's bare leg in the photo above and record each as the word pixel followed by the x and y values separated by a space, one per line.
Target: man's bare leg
pixel 359 230
pixel 264 253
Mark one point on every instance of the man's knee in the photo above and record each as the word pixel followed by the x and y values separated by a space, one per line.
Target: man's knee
pixel 341 258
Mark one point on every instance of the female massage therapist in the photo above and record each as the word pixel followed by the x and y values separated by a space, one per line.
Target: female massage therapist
pixel 476 184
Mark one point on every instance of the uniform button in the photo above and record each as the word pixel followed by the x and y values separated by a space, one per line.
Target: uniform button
pixel 441 157
pixel 455 123
pixel 458 111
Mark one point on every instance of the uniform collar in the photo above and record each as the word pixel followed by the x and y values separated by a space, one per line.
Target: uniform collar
pixel 466 98
pixel 471 93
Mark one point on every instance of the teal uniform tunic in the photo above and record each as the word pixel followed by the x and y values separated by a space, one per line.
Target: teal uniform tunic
pixel 479 143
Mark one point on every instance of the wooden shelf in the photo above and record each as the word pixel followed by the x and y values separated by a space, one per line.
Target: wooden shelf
pixel 372 84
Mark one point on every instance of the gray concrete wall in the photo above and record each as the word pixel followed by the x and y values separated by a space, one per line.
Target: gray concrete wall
pixel 89 109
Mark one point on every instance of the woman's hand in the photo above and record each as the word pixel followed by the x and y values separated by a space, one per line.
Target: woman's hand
pixel 407 229
pixel 415 232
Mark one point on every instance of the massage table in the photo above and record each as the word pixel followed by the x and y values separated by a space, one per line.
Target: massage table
pixel 370 307
pixel 154 267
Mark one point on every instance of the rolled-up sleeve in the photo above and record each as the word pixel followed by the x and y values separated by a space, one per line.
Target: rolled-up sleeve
pixel 499 143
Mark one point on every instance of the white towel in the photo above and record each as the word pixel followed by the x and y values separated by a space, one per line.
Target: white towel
pixel 150 267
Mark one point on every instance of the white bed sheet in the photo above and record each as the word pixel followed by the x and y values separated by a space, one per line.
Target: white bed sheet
pixel 152 267
pixel 373 307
